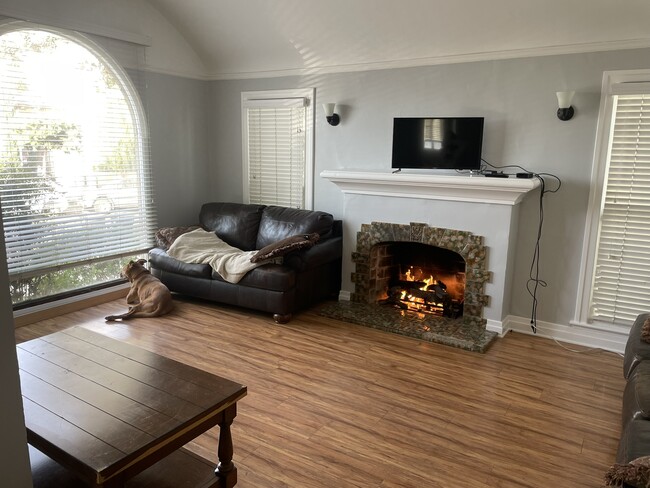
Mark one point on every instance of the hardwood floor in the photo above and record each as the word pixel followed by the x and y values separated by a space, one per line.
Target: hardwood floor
pixel 332 404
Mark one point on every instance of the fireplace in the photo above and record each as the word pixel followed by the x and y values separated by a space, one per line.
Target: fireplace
pixel 418 277
pixel 421 269
pixel 467 214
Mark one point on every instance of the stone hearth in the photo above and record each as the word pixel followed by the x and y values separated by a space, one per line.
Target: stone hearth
pixel 469 246
pixel 467 332
pixel 441 330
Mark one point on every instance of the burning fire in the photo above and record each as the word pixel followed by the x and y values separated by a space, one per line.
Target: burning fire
pixel 425 294
pixel 416 303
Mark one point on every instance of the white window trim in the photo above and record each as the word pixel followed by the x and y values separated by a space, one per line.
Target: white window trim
pixel 306 93
pixel 112 59
pixel 610 86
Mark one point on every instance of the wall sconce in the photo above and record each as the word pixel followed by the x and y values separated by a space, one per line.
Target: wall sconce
pixel 565 112
pixel 332 118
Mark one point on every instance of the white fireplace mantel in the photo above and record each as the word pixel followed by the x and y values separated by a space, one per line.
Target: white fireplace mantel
pixel 459 188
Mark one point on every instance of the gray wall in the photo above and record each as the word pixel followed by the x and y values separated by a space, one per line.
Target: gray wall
pixel 517 99
pixel 179 130
pixel 226 135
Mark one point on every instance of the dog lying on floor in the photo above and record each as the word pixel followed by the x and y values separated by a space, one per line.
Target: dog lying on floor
pixel 148 296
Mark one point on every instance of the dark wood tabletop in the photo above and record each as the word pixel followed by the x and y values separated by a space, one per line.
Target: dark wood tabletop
pixel 107 411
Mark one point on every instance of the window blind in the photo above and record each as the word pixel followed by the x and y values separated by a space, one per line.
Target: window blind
pixel 276 151
pixel 75 176
pixel 621 288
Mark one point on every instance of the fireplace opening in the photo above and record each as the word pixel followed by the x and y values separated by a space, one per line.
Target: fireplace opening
pixel 418 277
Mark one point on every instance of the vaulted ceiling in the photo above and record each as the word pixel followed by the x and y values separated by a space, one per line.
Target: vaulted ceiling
pixel 249 38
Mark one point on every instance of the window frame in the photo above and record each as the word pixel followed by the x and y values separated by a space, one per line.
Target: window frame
pixel 604 134
pixel 133 99
pixel 308 94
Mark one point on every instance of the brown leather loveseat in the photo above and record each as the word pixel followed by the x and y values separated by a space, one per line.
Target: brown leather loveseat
pixel 302 279
pixel 635 428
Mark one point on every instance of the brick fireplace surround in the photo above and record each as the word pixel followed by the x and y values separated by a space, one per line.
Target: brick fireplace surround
pixel 472 215
pixel 467 245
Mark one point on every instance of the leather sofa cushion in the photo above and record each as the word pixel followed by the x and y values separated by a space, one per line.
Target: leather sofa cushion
pixel 159 259
pixel 278 223
pixel 635 349
pixel 235 223
pixel 635 441
pixel 636 397
pixel 269 276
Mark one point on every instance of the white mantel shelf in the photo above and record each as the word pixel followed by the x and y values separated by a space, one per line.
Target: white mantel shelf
pixel 459 188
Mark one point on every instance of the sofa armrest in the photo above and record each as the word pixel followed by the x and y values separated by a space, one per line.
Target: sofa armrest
pixel 321 253
pixel 636 349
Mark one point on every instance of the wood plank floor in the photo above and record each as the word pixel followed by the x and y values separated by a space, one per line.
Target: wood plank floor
pixel 332 404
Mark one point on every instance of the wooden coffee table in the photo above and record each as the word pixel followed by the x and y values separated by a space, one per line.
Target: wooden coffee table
pixel 103 413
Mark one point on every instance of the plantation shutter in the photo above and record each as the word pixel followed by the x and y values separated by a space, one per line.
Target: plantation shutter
pixel 621 287
pixel 276 151
pixel 75 176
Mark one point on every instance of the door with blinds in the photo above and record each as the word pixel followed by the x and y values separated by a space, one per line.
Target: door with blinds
pixel 621 280
pixel 276 148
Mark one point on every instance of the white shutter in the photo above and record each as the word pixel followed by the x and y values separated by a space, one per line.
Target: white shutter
pixel 75 177
pixel 621 288
pixel 276 150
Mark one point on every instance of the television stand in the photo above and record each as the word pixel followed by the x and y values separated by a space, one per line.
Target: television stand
pixel 397 170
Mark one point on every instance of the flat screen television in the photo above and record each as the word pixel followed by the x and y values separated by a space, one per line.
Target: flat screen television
pixel 437 142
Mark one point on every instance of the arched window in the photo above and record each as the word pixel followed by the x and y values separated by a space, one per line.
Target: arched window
pixel 75 184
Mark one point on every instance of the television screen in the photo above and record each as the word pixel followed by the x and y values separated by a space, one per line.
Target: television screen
pixel 437 142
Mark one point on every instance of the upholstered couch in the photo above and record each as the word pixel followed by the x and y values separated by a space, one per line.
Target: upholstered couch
pixel 635 428
pixel 293 282
pixel 635 435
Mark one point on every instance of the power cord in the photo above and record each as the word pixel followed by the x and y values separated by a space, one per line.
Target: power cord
pixel 534 282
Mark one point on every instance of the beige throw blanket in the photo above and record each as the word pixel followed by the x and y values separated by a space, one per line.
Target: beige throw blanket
pixel 200 246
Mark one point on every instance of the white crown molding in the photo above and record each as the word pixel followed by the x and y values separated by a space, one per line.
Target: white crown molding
pixel 439 60
pixel 37 16
pixel 68 23
pixel 459 188
pixel 190 75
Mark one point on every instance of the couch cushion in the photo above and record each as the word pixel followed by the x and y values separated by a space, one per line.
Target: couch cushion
pixel 286 246
pixel 635 441
pixel 235 223
pixel 278 223
pixel 635 349
pixel 274 277
pixel 165 236
pixel 159 259
pixel 636 397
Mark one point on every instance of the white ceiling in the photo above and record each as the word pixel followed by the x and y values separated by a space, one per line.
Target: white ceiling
pixel 254 38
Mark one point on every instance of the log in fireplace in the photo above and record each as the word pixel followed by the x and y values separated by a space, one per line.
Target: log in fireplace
pixel 419 277
pixel 443 270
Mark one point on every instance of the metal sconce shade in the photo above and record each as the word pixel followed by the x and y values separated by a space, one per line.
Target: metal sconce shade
pixel 565 112
pixel 332 118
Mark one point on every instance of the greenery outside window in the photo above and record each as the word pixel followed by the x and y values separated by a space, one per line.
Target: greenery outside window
pixel 75 177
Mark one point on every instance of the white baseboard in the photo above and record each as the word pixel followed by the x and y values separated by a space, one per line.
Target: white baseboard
pixel 495 326
pixel 579 334
pixel 596 337
pixel 49 310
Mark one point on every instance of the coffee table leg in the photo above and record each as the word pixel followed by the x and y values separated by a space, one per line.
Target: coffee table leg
pixel 226 470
